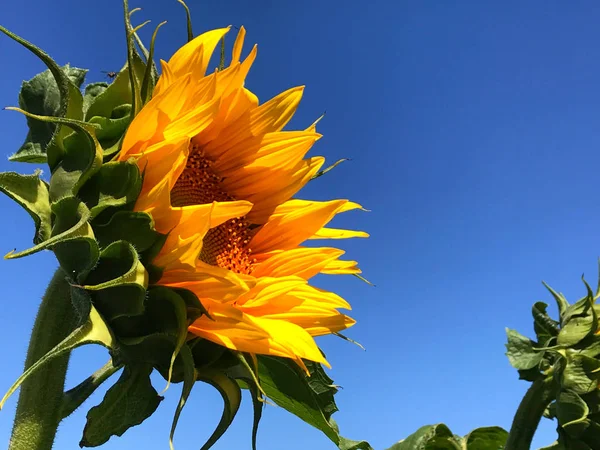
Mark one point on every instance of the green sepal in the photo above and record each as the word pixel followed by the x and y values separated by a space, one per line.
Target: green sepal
pixel 41 96
pixel 118 93
pixel 581 374
pixel 190 32
pixel 327 169
pixel 118 282
pixel 70 104
pixel 111 130
pixel 521 351
pixel 206 353
pixel 116 184
pixel 156 336
pixel 129 402
pixel 165 295
pixel 92 91
pixel 93 331
pixel 72 238
pixel 31 192
pixel 561 301
pixel 137 228
pixel 545 327
pixel 149 82
pixel 232 398
pixel 572 412
pixel 189 379
pixel 194 306
pixel 578 321
pixel 135 81
pixel 246 376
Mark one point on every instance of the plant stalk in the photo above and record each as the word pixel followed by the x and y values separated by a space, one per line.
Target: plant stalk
pixel 530 412
pixel 41 396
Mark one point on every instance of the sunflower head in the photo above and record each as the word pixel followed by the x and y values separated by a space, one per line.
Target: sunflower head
pixel 172 209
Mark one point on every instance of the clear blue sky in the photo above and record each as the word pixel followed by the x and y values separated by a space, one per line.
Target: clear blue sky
pixel 474 133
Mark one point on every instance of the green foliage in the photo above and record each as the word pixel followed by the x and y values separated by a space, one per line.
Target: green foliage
pixel 309 398
pixel 566 354
pixel 439 437
pixel 129 402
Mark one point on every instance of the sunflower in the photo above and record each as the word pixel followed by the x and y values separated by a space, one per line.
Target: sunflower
pixel 219 177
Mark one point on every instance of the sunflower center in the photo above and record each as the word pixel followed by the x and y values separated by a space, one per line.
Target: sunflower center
pixel 226 245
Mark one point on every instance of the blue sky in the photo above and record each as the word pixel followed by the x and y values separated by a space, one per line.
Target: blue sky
pixel 473 130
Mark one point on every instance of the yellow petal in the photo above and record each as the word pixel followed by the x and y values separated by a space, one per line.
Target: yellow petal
pixel 295 221
pixel 194 56
pixel 184 242
pixel 340 267
pixel 214 282
pixel 302 262
pixel 336 233
pixel 238 331
pixel 237 46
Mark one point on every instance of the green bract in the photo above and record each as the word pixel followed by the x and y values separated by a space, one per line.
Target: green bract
pixel 566 357
pixel 84 214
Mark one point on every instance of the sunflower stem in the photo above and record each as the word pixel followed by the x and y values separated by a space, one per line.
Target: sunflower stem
pixel 41 396
pixel 528 416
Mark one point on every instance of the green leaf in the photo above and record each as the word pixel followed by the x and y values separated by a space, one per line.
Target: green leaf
pixel 118 281
pixel 545 327
pixel 323 387
pixel 349 444
pixel 93 331
pixel 486 438
pixel 136 228
pixel 31 192
pixel 520 351
pixel 434 437
pixel 71 100
pixel 75 397
pixel 287 386
pixel 232 397
pixel 128 403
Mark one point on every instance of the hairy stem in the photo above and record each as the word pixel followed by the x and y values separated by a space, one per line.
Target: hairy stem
pixel 41 396
pixel 529 414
